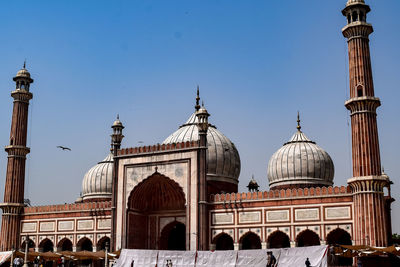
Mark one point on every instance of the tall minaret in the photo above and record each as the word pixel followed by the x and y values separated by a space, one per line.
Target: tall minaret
pixel 17 151
pixel 367 182
pixel 116 139
pixel 202 126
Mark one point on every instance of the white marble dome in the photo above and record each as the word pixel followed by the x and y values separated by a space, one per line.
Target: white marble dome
pixel 97 182
pixel 222 156
pixel 351 2
pixel 300 163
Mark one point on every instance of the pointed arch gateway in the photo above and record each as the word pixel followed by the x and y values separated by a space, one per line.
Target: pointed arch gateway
pixel 278 239
pixel 223 241
pixel 46 245
pixel 64 245
pixel 307 238
pixel 250 240
pixel 339 237
pixel 155 197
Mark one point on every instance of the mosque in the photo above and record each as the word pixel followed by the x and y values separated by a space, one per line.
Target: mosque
pixel 183 194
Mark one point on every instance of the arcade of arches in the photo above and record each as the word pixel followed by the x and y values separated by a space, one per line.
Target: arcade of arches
pixel 156 197
pixel 279 239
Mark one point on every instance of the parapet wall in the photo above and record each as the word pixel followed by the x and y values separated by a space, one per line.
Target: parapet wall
pixel 288 193
pixel 84 206
pixel 158 148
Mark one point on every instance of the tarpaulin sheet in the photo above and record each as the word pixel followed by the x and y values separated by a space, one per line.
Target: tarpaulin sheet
pixel 4 256
pixel 291 257
pixel 216 258
pixel 286 257
pixel 178 258
pixel 137 258
pixel 255 258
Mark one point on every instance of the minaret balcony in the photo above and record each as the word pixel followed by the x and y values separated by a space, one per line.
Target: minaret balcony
pixel 363 104
pixel 17 151
pixel 358 29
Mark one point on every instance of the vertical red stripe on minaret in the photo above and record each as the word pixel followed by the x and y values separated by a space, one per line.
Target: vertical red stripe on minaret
pixel 15 175
pixel 367 182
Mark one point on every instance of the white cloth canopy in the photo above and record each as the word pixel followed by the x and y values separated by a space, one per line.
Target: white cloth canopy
pixel 139 257
pixel 255 258
pixel 178 258
pixel 286 257
pixel 216 258
pixel 291 257
pixel 4 256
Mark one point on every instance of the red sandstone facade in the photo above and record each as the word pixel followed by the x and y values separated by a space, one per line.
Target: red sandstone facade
pixel 162 198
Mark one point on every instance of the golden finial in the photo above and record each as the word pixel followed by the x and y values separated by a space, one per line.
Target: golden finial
pixel 197 107
pixel 298 121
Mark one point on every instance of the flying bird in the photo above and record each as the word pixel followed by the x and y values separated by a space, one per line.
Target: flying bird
pixel 64 148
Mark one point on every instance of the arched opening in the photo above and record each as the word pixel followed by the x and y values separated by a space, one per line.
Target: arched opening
pixel 307 238
pixel 31 245
pixel 355 16
pixel 84 244
pixel 223 241
pixel 173 237
pixel 339 237
pixel 360 91
pixel 278 239
pixel 250 241
pixel 46 245
pixel 64 245
pixel 362 18
pixel 349 18
pixel 155 195
pixel 103 242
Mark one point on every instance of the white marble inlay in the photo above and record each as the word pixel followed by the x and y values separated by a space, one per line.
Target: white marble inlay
pixel 306 214
pixel 250 217
pixel 29 227
pixel 337 213
pixel 46 226
pixel 104 223
pixel 66 225
pixel 222 218
pixel 277 215
pixel 85 224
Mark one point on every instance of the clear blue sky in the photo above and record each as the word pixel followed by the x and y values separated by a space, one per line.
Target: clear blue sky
pixel 257 63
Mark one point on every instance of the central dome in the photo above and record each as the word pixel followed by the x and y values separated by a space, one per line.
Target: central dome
pixel 300 163
pixel 223 161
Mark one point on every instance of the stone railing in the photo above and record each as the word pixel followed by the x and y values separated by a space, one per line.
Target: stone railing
pixel 84 206
pixel 288 193
pixel 158 148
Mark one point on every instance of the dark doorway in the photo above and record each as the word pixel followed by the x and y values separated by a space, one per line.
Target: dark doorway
pixel 155 195
pixel 46 245
pixel 223 242
pixel 65 245
pixel 278 239
pixel 307 238
pixel 31 245
pixel 85 244
pixel 173 237
pixel 250 241
pixel 339 237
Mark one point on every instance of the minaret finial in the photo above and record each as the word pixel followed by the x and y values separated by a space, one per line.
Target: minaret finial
pixel 197 106
pixel 202 103
pixel 24 63
pixel 117 116
pixel 298 121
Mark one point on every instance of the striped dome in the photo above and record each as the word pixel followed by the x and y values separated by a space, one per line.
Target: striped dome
pixel 300 163
pixel 352 2
pixel 222 156
pixel 97 182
